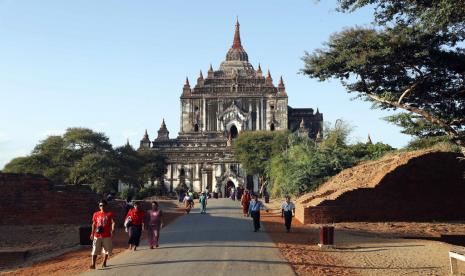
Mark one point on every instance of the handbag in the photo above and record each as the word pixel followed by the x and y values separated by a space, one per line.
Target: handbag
pixel 128 222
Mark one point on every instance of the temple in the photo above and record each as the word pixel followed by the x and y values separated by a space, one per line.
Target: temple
pixel 230 100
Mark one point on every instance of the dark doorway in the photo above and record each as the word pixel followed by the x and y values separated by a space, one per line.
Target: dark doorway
pixel 209 181
pixel 196 127
pixel 233 132
pixel 272 127
pixel 250 183
pixel 228 187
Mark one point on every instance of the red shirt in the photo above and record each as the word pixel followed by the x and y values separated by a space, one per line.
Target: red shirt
pixel 137 217
pixel 102 219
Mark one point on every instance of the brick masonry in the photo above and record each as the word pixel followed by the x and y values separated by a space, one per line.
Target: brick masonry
pixel 429 187
pixel 32 199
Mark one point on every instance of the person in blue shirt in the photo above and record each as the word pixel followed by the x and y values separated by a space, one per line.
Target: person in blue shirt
pixel 287 212
pixel 203 203
pixel 254 211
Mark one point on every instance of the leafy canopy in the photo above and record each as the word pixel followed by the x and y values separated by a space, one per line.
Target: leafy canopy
pixel 82 156
pixel 412 59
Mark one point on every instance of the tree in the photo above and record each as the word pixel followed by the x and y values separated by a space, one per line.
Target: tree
pixel 153 168
pixel 412 60
pixel 24 165
pixel 99 170
pixel 129 162
pixel 255 149
pixel 79 142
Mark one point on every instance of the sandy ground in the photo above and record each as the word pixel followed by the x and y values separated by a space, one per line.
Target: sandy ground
pixel 366 248
pixel 73 262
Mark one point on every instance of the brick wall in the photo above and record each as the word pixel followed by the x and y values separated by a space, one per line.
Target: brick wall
pixel 33 199
pixel 429 187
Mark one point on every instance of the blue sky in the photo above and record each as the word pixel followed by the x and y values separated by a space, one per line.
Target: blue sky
pixel 118 66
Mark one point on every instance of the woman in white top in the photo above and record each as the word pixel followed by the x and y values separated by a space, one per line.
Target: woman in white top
pixel 287 212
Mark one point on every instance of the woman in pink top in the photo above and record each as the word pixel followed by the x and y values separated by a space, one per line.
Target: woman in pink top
pixel 154 225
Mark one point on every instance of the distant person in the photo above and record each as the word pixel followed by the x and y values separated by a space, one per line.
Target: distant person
pixel 191 194
pixel 103 228
pixel 287 212
pixel 109 197
pixel 254 211
pixel 245 202
pixel 203 203
pixel 181 195
pixel 233 194
pixel 239 193
pixel 207 193
pixel 155 222
pixel 188 203
pixel 136 227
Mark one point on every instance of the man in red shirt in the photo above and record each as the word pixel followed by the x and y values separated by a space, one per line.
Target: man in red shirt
pixel 103 228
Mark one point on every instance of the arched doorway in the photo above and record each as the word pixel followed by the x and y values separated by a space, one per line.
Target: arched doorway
pixel 272 127
pixel 227 188
pixel 196 127
pixel 233 131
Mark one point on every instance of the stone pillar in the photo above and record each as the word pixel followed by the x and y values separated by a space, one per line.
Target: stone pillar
pixel 249 125
pixel 204 115
pixel 262 110
pixel 257 119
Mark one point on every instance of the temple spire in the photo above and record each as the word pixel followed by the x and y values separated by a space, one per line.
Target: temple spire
pixel 369 142
pixel 237 36
pixel 210 72
pixel 268 79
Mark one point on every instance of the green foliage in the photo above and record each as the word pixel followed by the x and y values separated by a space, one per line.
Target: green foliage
pixel 145 192
pixel 430 142
pixel 295 165
pixel 128 193
pixel 413 59
pixel 100 171
pixel 153 166
pixel 254 149
pixel 82 156
pixel 364 151
pixel 24 165
pixel 415 125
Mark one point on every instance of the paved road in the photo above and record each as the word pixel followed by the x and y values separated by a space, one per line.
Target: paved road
pixel 221 242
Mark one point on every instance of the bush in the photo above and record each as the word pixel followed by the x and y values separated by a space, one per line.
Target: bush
pixel 128 193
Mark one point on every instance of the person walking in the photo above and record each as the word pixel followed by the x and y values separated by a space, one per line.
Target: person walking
pixel 137 225
pixel 245 202
pixel 154 224
pixel 203 203
pixel 287 212
pixel 188 203
pixel 233 193
pixel 254 211
pixel 103 228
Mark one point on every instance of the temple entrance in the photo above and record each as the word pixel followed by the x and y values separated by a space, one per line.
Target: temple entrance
pixel 227 188
pixel 233 132
pixel 272 127
pixel 209 181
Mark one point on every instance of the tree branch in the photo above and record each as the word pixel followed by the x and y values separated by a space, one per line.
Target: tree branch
pixel 449 130
pixel 407 92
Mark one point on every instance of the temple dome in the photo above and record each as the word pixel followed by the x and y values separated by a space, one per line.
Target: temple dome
pixel 237 60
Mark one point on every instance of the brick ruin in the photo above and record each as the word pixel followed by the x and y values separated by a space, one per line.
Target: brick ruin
pixel 426 187
pixel 28 199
